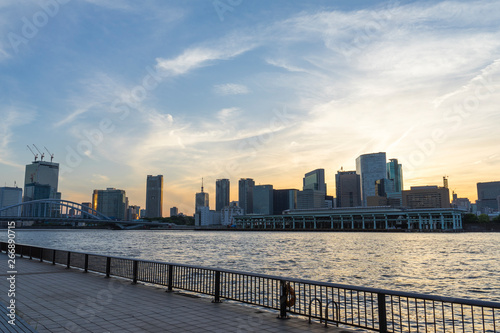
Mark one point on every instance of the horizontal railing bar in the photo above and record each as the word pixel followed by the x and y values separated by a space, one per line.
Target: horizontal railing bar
pixel 387 292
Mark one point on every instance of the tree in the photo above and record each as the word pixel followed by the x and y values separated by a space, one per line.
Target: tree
pixel 470 218
pixel 483 218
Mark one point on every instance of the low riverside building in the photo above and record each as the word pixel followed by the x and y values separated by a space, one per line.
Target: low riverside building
pixel 357 219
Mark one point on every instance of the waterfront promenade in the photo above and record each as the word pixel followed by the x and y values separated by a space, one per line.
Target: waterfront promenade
pixel 55 299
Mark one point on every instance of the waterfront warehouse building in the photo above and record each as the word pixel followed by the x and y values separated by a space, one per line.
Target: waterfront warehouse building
pixel 370 168
pixel 221 194
pixel 154 196
pixel 357 219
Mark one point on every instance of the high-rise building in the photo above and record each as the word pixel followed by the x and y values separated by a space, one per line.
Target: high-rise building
pixel 133 212
pixel 311 199
pixel 487 194
pixel 284 200
pixel 10 196
pixel 313 192
pixel 370 168
pixel 201 200
pixel 41 180
pixel 221 194
pixel 348 189
pixel 263 199
pixel 110 202
pixel 315 180
pixel 395 173
pixel 419 197
pixel 174 211
pixel 228 213
pixel 154 196
pixel 245 194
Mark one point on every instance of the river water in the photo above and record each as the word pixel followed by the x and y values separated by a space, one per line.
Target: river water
pixel 464 265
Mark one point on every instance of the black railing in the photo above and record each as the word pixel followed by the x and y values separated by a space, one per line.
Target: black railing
pixel 347 306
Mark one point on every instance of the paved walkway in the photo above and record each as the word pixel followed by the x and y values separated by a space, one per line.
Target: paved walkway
pixel 55 299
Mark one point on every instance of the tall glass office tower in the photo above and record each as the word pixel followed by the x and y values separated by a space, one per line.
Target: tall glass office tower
pixel 370 168
pixel 395 173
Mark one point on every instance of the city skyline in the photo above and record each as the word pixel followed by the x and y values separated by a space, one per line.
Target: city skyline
pixel 267 91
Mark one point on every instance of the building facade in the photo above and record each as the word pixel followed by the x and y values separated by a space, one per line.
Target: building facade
pixel 174 211
pixel 348 189
pixel 423 197
pixel 315 180
pixel 154 196
pixel 370 168
pixel 263 199
pixel 10 196
pixel 487 194
pixel 111 202
pixel 245 194
pixel 222 192
pixel 41 181
pixel 395 173
pixel 229 212
pixel 284 200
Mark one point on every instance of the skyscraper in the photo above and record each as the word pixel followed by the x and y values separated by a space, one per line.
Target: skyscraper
pixel 315 180
pixel 201 200
pixel 370 168
pixel 10 196
pixel 154 196
pixel 110 202
pixel 221 194
pixel 245 194
pixel 348 189
pixel 395 172
pixel 263 199
pixel 41 180
pixel 313 192
pixel 284 200
pixel 487 194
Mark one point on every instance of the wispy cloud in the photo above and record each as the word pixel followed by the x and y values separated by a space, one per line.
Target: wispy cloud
pixel 231 89
pixel 11 119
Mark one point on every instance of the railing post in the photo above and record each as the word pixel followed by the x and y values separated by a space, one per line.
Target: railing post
pixel 31 252
pixel 217 288
pixel 382 313
pixel 20 250
pixel 170 277
pixel 53 257
pixel 86 266
pixel 108 266
pixel 283 296
pixel 68 260
pixel 41 254
pixel 134 272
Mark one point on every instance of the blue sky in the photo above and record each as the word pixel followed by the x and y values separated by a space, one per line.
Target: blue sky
pixel 269 90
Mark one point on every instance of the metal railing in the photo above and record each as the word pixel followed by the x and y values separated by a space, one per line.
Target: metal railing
pixel 348 306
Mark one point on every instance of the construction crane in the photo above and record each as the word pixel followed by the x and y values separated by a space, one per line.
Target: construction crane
pixel 36 155
pixel 42 155
pixel 51 155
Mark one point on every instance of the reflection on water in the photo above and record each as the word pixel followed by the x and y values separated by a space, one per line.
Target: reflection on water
pixel 457 265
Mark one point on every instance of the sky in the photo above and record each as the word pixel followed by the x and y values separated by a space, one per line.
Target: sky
pixel 118 90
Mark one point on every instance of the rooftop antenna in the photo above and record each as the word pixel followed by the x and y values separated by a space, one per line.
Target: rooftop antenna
pixel 51 155
pixel 36 155
pixel 42 155
pixel 201 184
